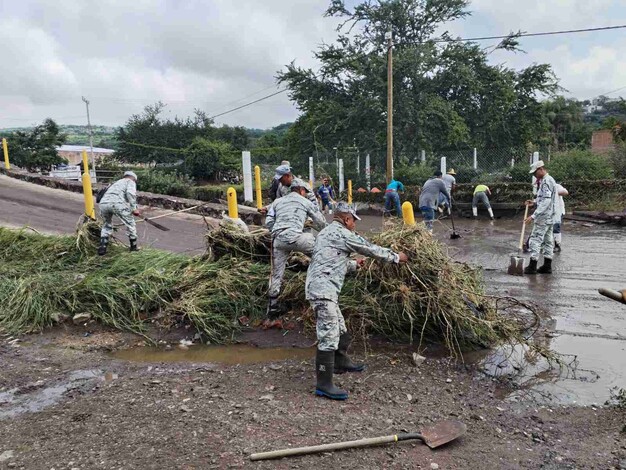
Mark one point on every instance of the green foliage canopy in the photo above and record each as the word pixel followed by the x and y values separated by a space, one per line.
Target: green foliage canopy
pixel 36 149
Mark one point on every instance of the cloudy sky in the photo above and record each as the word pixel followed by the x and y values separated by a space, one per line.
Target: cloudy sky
pixel 218 54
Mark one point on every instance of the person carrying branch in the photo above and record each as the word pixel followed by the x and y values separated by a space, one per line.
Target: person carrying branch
pixel 285 219
pixel 120 199
pixel 543 219
pixel 325 277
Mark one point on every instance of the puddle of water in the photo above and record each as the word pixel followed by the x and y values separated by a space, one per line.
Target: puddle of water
pixel 229 355
pixel 17 401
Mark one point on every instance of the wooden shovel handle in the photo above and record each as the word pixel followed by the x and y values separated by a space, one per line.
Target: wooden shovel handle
pixel 325 447
pixel 521 238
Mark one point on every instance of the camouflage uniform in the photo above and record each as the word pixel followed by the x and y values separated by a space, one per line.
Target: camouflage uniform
pixel 121 200
pixel 327 271
pixel 541 238
pixel 285 218
pixel 285 190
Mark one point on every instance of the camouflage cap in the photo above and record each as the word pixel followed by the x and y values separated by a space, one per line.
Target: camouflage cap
pixel 281 171
pixel 345 208
pixel 300 183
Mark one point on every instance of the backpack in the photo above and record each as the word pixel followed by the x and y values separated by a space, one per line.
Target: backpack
pixel 101 192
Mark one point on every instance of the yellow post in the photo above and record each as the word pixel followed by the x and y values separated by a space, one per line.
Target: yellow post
pixel 407 213
pixel 85 162
pixel 257 187
pixel 7 165
pixel 349 191
pixel 90 210
pixel 231 195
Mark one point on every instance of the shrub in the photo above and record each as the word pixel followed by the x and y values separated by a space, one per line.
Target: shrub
pixel 579 165
pixel 617 159
pixel 206 160
pixel 156 181
pixel 413 175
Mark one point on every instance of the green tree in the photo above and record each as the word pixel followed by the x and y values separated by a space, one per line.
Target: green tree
pixel 36 149
pixel 209 160
pixel 566 123
pixel 446 94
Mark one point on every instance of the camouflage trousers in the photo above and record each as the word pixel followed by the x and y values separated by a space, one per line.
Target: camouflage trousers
pixel 107 211
pixel 541 241
pixel 330 324
pixel 280 253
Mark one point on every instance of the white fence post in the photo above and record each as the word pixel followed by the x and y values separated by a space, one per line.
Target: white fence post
pixel 247 176
pixel 443 165
pixel 311 171
pixel 475 159
pixel 535 159
pixel 341 185
pixel 423 156
pixel 368 173
pixel 512 162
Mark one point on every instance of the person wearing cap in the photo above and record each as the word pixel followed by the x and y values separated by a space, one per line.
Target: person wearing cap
pixel 481 194
pixel 324 280
pixel 282 178
pixel 450 181
pixel 120 199
pixel 392 197
pixel 285 219
pixel 429 198
pixel 545 216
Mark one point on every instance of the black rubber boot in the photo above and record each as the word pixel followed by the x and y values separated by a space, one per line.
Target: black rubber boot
pixel 531 268
pixel 133 244
pixel 557 247
pixel 547 266
pixel 343 363
pixel 274 309
pixel 324 366
pixel 102 249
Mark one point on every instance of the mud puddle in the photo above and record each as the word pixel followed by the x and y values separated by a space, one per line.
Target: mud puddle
pixel 37 396
pixel 229 355
pixel 582 325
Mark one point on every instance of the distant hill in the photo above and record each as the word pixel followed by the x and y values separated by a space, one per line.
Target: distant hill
pixel 104 136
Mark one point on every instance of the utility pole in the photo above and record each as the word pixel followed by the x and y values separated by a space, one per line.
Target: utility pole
pixel 389 37
pixel 93 160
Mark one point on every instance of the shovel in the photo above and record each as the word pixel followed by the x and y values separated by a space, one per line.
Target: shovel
pixel 433 436
pixel 453 235
pixel 157 225
pixel 516 268
pixel 613 294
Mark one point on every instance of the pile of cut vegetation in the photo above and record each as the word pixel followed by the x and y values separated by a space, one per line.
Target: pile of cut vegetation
pixel 430 299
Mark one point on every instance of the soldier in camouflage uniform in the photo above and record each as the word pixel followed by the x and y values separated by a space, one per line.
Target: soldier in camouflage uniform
pixel 544 217
pixel 120 200
pixel 285 219
pixel 329 265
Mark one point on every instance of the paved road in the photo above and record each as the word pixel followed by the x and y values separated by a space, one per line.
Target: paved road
pixel 57 212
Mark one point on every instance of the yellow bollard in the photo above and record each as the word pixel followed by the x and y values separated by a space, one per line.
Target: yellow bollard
pixel 85 162
pixel 7 165
pixel 257 186
pixel 407 213
pixel 90 210
pixel 349 191
pixel 231 195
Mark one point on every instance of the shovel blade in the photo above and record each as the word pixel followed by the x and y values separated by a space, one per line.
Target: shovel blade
pixel 443 432
pixel 516 268
pixel 454 236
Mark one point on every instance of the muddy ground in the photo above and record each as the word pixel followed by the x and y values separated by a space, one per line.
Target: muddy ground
pixel 66 401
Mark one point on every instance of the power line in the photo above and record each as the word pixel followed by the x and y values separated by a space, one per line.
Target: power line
pixel 546 33
pixel 249 104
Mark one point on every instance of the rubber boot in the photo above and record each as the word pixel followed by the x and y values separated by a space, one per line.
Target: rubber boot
pixel 490 210
pixel 273 309
pixel 475 211
pixel 133 244
pixel 531 268
pixel 102 249
pixel 557 242
pixel 343 363
pixel 324 366
pixel 547 266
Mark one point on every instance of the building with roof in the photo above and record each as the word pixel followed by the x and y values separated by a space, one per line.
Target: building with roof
pixel 74 153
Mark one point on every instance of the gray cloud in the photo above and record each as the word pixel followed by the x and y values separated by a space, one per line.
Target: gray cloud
pixel 217 54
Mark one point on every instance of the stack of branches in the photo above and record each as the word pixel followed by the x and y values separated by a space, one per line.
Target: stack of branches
pixel 430 299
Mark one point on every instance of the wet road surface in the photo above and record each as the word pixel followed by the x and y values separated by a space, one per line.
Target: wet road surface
pixel 56 211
